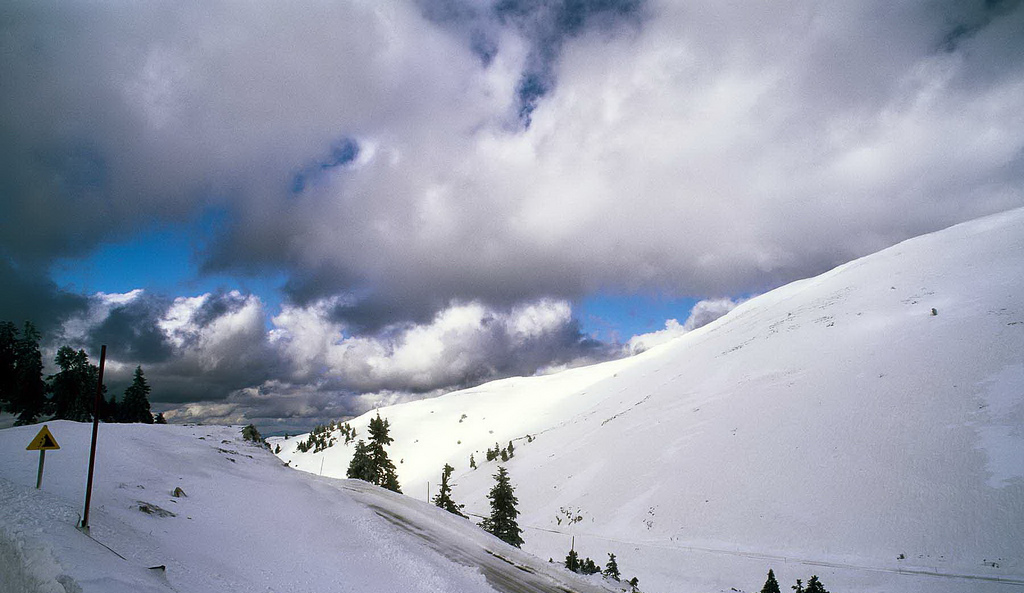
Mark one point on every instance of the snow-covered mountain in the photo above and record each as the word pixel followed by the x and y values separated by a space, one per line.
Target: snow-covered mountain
pixel 241 522
pixel 866 425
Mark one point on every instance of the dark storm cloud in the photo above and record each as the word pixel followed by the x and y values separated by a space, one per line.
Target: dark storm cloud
pixel 28 295
pixel 132 328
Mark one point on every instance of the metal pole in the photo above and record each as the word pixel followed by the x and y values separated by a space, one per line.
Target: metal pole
pixel 95 430
pixel 39 476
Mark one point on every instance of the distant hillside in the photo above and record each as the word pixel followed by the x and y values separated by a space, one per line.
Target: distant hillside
pixel 856 425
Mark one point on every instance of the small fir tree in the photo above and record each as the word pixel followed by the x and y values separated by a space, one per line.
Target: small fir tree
pixel 611 570
pixel 588 566
pixel 814 585
pixel 799 586
pixel 572 561
pixel 511 449
pixel 502 522
pixel 361 467
pixel 384 469
pixel 472 462
pixel 635 584
pixel 135 405
pixel 771 585
pixel 159 419
pixel 504 455
pixel 444 496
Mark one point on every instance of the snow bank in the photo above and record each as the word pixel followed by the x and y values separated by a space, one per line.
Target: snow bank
pixel 243 523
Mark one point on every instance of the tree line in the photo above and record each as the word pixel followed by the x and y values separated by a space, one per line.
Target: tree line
pixel 68 394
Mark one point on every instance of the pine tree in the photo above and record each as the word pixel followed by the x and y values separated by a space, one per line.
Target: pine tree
pixel 572 561
pixel 74 386
pixel 588 566
pixel 634 583
pixel 472 462
pixel 160 419
pixel 8 384
pixel 444 496
pixel 511 449
pixel 31 390
pixel 384 469
pixel 504 455
pixel 21 373
pixel 771 585
pixel 611 570
pixel 135 405
pixel 815 586
pixel 110 410
pixel 361 467
pixel 798 587
pixel 502 522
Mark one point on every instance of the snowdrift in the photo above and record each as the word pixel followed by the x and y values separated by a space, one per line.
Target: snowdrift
pixel 866 425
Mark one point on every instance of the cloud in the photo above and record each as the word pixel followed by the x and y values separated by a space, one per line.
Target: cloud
pixel 191 348
pixel 691 149
pixel 28 295
pixel 702 313
pixel 375 156
pixel 462 345
pixel 213 358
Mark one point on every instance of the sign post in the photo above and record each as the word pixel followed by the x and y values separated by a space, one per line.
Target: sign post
pixel 42 442
pixel 92 450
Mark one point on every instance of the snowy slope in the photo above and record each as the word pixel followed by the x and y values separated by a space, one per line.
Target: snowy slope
pixel 247 523
pixel 829 426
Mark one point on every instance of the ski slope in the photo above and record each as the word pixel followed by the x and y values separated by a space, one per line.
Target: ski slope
pixel 834 426
pixel 245 523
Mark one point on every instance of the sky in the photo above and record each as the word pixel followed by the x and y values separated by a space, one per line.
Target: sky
pixel 287 214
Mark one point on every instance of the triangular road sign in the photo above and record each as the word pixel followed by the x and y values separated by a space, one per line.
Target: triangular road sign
pixel 44 441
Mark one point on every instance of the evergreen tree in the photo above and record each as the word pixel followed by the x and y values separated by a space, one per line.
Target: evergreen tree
pixel 30 400
pixel 444 496
pixel 588 566
pixel 472 462
pixel 21 373
pixel 511 449
pixel 815 586
pixel 135 405
pixel 8 383
pixel 798 587
pixel 572 561
pixel 771 585
pixel 160 419
pixel 634 583
pixel 361 467
pixel 384 469
pixel 502 522
pixel 611 570
pixel 504 455
pixel 74 386
pixel 110 410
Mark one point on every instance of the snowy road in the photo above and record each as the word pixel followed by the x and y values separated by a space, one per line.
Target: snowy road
pixel 506 569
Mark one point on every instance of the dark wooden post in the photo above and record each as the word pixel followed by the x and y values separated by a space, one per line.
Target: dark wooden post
pixel 95 430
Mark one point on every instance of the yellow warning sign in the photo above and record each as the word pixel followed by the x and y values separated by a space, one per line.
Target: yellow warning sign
pixel 44 441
